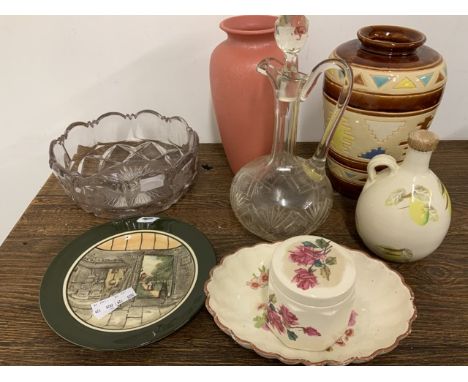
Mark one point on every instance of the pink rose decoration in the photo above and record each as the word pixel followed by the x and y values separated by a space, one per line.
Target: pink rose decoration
pixel 254 284
pixel 352 318
pixel 288 317
pixel 259 281
pixel 349 332
pixel 340 342
pixel 282 320
pixel 310 331
pixel 274 319
pixel 303 255
pixel 304 279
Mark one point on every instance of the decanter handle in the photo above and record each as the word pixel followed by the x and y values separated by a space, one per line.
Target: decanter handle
pixel 343 99
pixel 380 160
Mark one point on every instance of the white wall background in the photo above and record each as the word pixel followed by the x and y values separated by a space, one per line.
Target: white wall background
pixel 57 70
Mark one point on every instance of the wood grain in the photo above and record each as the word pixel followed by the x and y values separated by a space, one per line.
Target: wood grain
pixel 440 282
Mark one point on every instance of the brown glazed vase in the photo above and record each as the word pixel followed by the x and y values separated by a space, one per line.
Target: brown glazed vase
pixel 242 98
pixel 398 84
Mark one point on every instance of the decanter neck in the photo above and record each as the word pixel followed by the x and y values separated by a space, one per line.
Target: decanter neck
pixel 286 118
pixel 416 161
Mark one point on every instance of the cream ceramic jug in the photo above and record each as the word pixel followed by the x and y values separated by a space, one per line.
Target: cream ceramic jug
pixel 403 212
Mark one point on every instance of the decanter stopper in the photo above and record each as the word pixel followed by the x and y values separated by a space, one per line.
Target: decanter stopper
pixel 291 33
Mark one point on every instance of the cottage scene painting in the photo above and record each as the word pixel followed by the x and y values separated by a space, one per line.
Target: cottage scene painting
pixel 160 269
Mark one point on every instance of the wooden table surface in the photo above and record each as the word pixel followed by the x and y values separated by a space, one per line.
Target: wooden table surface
pixel 52 220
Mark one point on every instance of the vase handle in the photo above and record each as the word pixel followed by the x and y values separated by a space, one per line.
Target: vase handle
pixel 343 99
pixel 380 160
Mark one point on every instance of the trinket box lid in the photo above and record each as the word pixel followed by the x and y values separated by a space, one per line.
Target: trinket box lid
pixel 313 271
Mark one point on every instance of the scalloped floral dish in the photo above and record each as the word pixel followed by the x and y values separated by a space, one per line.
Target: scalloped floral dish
pixel 382 316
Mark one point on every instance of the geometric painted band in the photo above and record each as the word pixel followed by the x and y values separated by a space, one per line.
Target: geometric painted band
pixel 385 103
pixel 360 165
pixel 392 81
pixel 345 173
pixel 361 135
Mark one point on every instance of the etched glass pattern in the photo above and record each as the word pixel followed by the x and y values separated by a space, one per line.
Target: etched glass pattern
pixel 123 165
pixel 276 201
pixel 283 195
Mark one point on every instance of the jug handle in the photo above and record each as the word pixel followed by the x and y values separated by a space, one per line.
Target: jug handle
pixel 343 99
pixel 380 160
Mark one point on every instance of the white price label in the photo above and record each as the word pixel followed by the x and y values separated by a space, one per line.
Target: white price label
pixel 147 219
pixel 108 305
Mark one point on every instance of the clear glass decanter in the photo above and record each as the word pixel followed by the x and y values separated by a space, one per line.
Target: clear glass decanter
pixel 282 195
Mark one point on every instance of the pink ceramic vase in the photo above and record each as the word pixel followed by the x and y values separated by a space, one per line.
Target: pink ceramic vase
pixel 242 98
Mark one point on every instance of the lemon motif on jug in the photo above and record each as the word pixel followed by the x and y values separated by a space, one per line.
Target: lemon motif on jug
pixel 418 202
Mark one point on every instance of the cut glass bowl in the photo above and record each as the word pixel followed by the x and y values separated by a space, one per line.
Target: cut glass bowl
pixel 124 165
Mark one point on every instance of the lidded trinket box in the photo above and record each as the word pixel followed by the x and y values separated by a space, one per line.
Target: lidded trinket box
pixel 311 292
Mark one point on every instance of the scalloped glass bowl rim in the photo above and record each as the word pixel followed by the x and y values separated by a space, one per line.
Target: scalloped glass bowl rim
pixel 55 165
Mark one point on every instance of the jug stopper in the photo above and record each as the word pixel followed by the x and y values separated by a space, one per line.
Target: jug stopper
pixel 423 140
